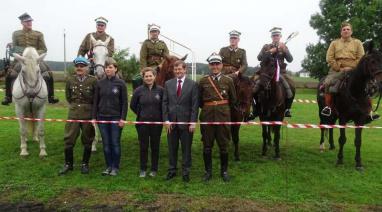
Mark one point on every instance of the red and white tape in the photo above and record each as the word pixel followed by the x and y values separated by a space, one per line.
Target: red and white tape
pixel 273 123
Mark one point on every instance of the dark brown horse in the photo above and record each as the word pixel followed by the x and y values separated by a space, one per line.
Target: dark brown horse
pixel 243 87
pixel 270 102
pixel 352 102
pixel 165 70
pixel 328 120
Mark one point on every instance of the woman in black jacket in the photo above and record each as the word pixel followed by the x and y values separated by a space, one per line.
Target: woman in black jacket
pixel 147 104
pixel 110 104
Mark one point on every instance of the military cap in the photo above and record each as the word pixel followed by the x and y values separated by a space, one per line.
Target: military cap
pixel 80 60
pixel 154 27
pixel 275 31
pixel 101 20
pixel 25 17
pixel 234 34
pixel 214 58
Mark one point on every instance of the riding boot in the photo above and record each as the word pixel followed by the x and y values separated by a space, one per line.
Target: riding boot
pixel 288 106
pixel 327 111
pixel 224 167
pixel 8 90
pixel 50 85
pixel 207 166
pixel 68 162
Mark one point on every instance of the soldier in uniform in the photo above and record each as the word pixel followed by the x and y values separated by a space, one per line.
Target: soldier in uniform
pixel 153 50
pixel 217 97
pixel 234 58
pixel 86 45
pixel 20 40
pixel 79 93
pixel 280 52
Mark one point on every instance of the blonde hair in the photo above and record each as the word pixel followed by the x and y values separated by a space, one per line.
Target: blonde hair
pixel 345 24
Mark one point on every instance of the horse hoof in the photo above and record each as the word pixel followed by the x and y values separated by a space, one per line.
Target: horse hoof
pixel 359 168
pixel 339 163
pixel 237 159
pixel 43 154
pixel 24 154
pixel 332 148
pixel 277 158
pixel 94 149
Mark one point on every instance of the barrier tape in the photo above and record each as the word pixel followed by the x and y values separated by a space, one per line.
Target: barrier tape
pixel 272 123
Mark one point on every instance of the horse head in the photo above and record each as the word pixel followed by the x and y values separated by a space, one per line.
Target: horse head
pixel 244 88
pixel 372 62
pixel 100 54
pixel 30 61
pixel 165 70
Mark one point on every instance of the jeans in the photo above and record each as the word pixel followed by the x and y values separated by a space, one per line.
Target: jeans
pixel 111 139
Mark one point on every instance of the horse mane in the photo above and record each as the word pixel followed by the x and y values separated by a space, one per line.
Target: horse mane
pixel 31 63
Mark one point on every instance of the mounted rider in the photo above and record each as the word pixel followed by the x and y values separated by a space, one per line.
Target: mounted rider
pixel 20 40
pixel 280 52
pixel 86 46
pixel 343 55
pixel 234 58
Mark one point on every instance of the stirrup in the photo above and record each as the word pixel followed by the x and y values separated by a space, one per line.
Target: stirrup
pixel 327 111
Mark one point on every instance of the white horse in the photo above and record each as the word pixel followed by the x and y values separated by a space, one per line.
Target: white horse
pixel 30 95
pixel 100 54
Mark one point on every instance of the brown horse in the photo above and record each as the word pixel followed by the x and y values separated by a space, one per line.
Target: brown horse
pixel 352 102
pixel 243 87
pixel 271 104
pixel 165 70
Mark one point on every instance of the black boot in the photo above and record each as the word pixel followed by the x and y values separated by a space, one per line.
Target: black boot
pixel 8 91
pixel 207 166
pixel 224 167
pixel 288 106
pixel 85 160
pixel 68 162
pixel 371 118
pixel 50 86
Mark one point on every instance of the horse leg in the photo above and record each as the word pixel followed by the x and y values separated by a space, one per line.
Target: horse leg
pixel 235 138
pixel 357 143
pixel 276 142
pixel 322 140
pixel 39 128
pixel 95 140
pixel 265 139
pixel 23 132
pixel 331 140
pixel 341 141
pixel 269 135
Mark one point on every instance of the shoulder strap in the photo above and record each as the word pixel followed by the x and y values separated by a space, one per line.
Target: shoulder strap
pixel 214 86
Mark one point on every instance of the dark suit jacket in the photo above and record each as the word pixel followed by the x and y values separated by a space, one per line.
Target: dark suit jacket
pixel 183 108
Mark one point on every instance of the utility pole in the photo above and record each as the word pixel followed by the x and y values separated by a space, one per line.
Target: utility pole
pixel 65 71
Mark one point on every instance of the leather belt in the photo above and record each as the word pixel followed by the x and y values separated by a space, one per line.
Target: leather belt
pixel 214 103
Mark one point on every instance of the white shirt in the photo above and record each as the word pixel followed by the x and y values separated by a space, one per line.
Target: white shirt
pixel 181 84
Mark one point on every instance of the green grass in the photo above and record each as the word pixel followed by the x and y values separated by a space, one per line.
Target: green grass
pixel 304 176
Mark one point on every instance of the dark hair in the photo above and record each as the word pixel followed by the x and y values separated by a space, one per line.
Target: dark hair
pixel 148 69
pixel 111 61
pixel 180 62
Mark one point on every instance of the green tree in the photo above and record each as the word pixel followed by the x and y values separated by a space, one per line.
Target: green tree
pixel 364 15
pixel 128 65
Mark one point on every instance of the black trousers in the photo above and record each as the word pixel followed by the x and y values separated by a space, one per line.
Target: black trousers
pixel 149 135
pixel 184 137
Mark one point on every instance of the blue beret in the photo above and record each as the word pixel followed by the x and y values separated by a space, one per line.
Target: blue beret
pixel 80 60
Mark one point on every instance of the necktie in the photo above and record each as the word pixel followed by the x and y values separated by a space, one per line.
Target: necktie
pixel 179 89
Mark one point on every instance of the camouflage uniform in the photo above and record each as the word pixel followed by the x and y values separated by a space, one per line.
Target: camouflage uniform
pixel 233 60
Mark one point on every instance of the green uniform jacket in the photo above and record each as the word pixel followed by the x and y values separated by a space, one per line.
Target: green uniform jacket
pixel 28 38
pixel 86 44
pixel 208 94
pixel 79 95
pixel 152 53
pixel 233 60
pixel 281 56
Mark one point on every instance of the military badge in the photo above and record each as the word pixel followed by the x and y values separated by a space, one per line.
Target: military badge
pixel 157 97
pixel 115 90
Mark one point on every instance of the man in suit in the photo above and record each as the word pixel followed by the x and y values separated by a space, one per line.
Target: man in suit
pixel 180 104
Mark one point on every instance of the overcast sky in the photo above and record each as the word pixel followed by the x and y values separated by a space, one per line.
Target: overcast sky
pixel 203 25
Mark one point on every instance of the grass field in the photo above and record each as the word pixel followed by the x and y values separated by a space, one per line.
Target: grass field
pixel 305 180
